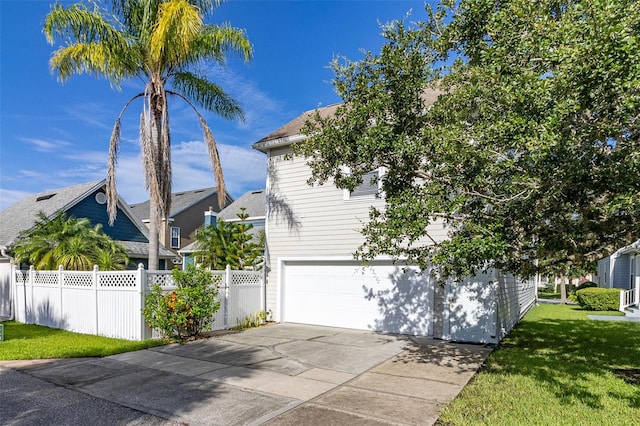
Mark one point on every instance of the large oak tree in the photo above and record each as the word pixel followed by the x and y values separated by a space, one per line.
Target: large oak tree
pixel 530 155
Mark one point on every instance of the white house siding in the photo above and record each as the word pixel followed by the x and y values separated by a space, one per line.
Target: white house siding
pixel 5 288
pixel 309 222
pixel 620 271
pixel 603 272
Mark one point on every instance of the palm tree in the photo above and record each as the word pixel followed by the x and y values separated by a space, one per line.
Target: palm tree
pixel 161 42
pixel 70 242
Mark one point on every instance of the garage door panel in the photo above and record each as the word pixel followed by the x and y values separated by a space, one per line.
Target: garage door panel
pixel 343 294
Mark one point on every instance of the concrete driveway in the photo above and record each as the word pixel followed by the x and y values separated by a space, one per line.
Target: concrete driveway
pixel 282 374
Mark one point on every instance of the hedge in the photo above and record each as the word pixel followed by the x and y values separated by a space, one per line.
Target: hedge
pixel 599 299
pixel 586 284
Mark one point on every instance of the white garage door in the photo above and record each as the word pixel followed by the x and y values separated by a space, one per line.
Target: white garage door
pixel 380 297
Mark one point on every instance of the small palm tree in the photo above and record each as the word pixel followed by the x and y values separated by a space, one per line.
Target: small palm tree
pixel 159 42
pixel 70 242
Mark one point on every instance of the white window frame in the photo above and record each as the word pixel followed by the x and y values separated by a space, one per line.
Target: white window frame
pixel 172 237
pixel 348 195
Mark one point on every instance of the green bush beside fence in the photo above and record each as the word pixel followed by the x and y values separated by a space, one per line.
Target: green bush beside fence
pixel 599 299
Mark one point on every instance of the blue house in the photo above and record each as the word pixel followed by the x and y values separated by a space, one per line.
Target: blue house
pixel 86 200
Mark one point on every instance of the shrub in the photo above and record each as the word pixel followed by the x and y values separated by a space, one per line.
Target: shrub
pixel 186 311
pixel 586 284
pixel 549 288
pixel 599 299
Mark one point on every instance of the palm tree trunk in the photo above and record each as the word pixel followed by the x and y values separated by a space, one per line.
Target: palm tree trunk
pixel 154 244
pixel 154 177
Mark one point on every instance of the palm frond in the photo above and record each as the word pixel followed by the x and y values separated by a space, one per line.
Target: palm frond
pixel 111 188
pixel 93 44
pixel 178 23
pixel 213 152
pixel 96 58
pixel 207 94
pixel 165 160
pixel 76 22
pixel 112 160
pixel 219 41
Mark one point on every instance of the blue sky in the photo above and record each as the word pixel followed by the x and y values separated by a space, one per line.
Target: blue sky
pixel 54 135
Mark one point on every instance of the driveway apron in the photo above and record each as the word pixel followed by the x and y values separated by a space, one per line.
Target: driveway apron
pixel 281 374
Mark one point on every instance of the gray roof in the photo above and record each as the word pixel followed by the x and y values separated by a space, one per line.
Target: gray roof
pixel 292 131
pixel 22 215
pixel 137 249
pixel 180 201
pixel 190 248
pixel 293 128
pixel 254 203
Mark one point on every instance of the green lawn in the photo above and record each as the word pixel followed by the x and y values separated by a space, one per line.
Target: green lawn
pixel 26 341
pixel 548 295
pixel 556 368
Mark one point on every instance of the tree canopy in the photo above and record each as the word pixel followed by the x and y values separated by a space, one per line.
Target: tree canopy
pixel 529 155
pixel 70 242
pixel 164 44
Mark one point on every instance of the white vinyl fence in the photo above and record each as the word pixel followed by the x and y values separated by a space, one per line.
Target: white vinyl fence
pixel 109 303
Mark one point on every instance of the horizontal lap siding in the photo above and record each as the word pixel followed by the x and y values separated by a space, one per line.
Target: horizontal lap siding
pixel 515 298
pixel 620 271
pixel 311 221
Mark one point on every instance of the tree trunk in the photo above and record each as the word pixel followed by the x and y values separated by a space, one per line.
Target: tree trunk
pixel 563 293
pixel 154 244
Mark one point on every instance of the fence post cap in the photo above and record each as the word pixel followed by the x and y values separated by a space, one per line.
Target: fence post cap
pixel 140 265
pixel 95 268
pixel 60 268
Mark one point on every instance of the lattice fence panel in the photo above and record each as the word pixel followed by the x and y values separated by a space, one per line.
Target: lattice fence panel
pixel 119 280
pixel 245 278
pixel 22 277
pixel 218 278
pixel 163 279
pixel 78 279
pixel 46 278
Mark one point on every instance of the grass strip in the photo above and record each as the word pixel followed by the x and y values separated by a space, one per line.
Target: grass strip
pixel 28 341
pixel 557 367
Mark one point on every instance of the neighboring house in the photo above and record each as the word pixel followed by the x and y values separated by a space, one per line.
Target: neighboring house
pixel 85 200
pixel 621 269
pixel 254 205
pixel 185 216
pixel 312 278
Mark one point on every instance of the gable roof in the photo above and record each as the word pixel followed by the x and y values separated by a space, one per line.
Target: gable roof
pixel 292 131
pixel 22 215
pixel 254 203
pixel 180 201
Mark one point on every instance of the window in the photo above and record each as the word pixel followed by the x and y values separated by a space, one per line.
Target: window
pixel 370 187
pixel 175 237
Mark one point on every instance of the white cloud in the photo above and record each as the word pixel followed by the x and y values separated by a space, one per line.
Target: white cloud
pixel 43 145
pixel 93 114
pixel 244 169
